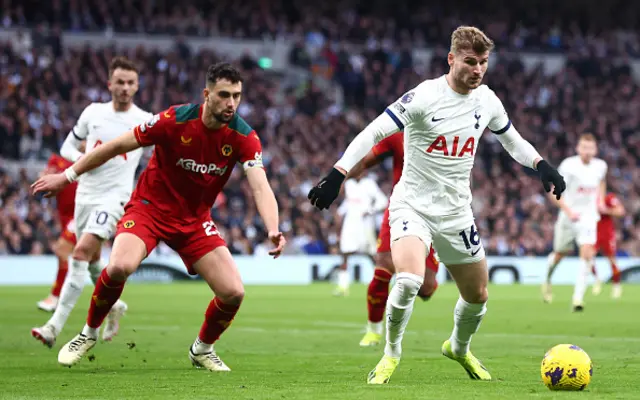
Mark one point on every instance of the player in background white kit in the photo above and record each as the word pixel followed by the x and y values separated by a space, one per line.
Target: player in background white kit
pixel 363 200
pixel 443 120
pixel 578 217
pixel 101 195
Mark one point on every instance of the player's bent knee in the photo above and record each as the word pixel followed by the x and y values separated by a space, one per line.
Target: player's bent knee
pixel 120 268
pixel 232 295
pixel 475 295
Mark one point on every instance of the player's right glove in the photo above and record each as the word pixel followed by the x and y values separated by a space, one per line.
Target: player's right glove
pixel 550 175
pixel 327 190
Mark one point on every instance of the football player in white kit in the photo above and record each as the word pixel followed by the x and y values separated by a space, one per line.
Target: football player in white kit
pixel 443 120
pixel 101 194
pixel 363 199
pixel 578 217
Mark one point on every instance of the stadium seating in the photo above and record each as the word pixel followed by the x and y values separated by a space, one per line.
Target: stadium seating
pixel 44 86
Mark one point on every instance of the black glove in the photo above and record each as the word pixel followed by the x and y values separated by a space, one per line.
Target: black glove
pixel 550 175
pixel 326 191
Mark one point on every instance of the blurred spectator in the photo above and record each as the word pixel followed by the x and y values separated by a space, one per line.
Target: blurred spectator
pixel 44 87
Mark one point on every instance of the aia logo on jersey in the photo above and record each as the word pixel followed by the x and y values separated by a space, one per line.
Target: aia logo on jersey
pixel 227 150
pixel 191 165
pixel 440 145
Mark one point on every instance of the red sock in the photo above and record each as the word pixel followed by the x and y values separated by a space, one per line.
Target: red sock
pixel 377 294
pixel 217 319
pixel 616 278
pixel 106 293
pixel 63 267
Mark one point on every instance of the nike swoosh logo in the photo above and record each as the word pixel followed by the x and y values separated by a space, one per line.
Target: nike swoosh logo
pixel 473 253
pixel 167 115
pixel 434 119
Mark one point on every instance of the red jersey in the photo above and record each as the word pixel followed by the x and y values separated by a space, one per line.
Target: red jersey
pixel 606 225
pixel 66 198
pixel 191 163
pixel 393 144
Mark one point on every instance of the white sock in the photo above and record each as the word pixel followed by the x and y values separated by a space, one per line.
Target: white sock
pixel 90 332
pixel 375 327
pixel 581 281
pixel 399 309
pixel 95 269
pixel 71 291
pixel 343 279
pixel 466 321
pixel 551 266
pixel 199 347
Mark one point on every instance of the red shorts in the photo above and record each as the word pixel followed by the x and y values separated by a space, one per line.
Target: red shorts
pixel 606 245
pixel 190 241
pixel 66 233
pixel 384 243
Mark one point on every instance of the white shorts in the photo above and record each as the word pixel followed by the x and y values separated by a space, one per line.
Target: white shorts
pixel 566 233
pixel 454 237
pixel 98 219
pixel 357 238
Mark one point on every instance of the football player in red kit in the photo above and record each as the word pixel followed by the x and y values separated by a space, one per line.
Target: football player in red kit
pixel 196 148
pixel 606 238
pixel 378 290
pixel 65 204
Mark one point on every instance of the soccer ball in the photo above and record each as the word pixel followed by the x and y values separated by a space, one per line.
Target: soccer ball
pixel 566 367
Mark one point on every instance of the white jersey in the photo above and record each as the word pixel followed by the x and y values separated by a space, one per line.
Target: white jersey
pixel 98 124
pixel 362 199
pixel 442 129
pixel 583 185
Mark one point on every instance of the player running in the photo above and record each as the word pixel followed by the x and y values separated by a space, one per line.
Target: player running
pixel 196 148
pixel 606 241
pixel 442 119
pixel 578 217
pixel 363 199
pixel 64 245
pixel 101 194
pixel 378 290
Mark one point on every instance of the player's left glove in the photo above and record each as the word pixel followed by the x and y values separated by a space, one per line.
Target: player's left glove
pixel 549 175
pixel 327 190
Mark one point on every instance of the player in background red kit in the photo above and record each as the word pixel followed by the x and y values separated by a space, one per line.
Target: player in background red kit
pixel 196 148
pixel 606 239
pixel 378 290
pixel 65 203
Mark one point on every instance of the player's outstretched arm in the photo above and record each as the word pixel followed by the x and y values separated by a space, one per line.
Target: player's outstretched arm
pixel 370 160
pixel 525 154
pixel 71 147
pixel 267 207
pixel 51 184
pixel 326 191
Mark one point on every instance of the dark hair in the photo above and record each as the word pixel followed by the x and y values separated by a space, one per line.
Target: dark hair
pixel 122 63
pixel 223 70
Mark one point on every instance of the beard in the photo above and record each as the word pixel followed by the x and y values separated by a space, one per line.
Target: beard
pixel 221 117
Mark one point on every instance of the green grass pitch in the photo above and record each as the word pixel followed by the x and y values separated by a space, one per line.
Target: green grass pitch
pixel 302 343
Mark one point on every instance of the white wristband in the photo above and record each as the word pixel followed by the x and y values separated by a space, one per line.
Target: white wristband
pixel 70 174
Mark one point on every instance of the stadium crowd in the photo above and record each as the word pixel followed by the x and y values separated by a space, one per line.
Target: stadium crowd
pixel 545 25
pixel 44 86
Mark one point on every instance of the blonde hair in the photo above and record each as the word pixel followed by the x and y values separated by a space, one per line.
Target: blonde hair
pixel 470 38
pixel 588 137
